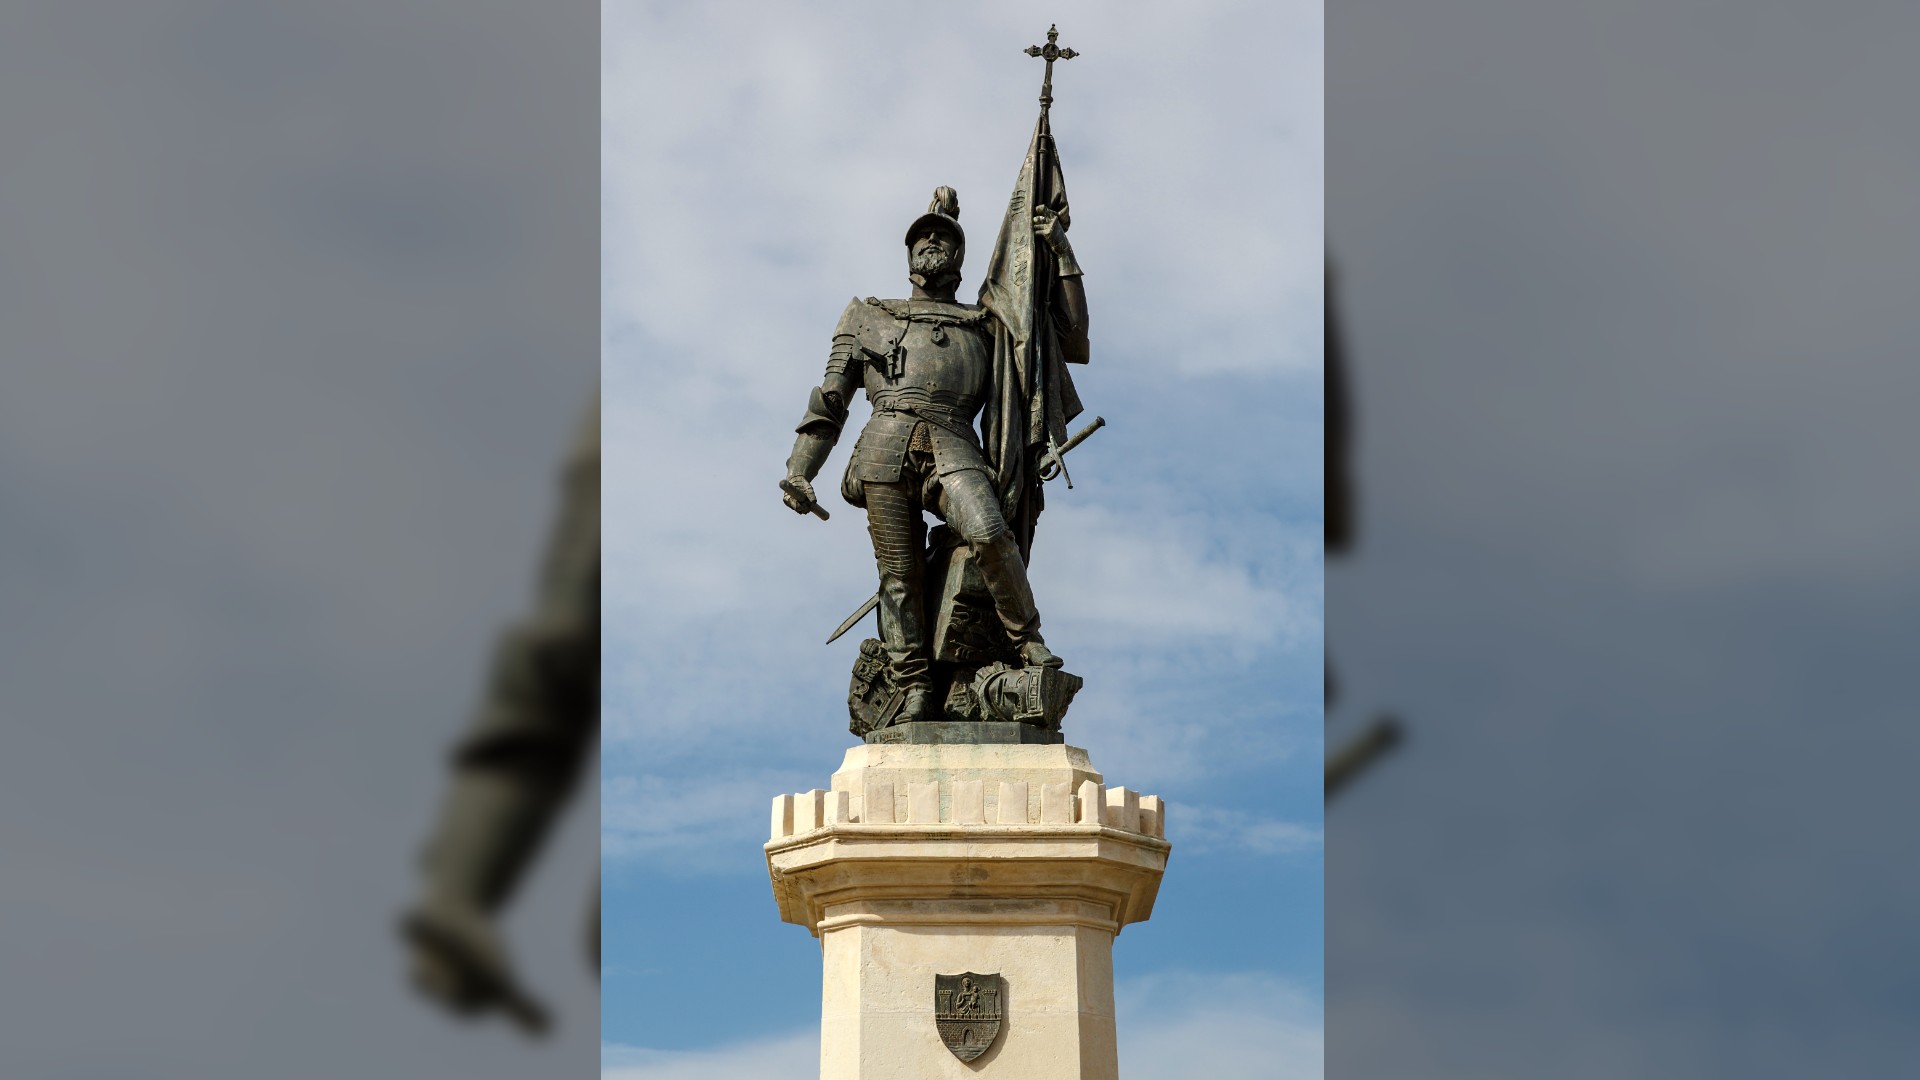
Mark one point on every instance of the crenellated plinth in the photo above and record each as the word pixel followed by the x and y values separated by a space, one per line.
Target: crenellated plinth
pixel 1010 860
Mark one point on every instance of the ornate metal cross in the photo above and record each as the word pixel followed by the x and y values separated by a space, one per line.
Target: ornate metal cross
pixel 1052 51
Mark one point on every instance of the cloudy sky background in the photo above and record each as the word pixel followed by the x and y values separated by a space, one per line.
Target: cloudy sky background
pixel 299 316
pixel 299 309
pixel 1629 289
pixel 760 164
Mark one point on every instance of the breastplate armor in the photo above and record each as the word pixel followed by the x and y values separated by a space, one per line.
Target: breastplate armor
pixel 925 363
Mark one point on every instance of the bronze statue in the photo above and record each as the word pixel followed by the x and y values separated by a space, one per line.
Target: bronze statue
pixel 959 630
pixel 1383 733
pixel 517 767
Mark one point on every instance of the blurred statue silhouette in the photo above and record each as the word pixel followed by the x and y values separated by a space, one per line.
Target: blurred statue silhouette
pixel 516 767
pixel 1383 732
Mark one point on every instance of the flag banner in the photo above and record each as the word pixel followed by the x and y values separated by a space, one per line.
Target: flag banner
pixel 1034 396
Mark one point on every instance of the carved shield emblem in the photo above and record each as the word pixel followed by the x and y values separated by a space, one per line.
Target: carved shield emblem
pixel 967 1010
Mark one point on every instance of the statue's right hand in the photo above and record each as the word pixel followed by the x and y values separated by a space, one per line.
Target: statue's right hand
pixel 459 961
pixel 797 493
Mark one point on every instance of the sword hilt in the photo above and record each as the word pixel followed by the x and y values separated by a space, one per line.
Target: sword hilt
pixel 1058 463
pixel 813 508
pixel 1054 463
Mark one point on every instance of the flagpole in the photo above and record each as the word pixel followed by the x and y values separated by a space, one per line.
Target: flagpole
pixel 1043 195
pixel 1051 51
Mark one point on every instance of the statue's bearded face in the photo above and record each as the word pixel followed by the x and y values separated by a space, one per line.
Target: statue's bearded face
pixel 933 253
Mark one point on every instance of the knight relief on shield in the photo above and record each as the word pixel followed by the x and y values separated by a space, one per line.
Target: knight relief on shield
pixel 959 631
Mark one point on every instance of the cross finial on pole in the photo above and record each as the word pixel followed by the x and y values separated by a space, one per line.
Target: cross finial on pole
pixel 1051 51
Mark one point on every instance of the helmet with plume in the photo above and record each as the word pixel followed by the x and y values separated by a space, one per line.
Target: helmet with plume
pixel 944 214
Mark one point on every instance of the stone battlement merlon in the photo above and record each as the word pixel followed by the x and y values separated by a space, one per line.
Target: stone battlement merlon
pixel 970 804
pixel 922 865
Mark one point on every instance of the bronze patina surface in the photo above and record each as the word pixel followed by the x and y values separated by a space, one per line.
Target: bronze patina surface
pixel 970 407
pixel 967 1010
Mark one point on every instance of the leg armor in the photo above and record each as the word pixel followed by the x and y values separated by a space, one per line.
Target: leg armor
pixel 969 504
pixel 899 547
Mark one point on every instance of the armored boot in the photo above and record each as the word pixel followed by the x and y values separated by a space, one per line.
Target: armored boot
pixel 917 707
pixel 1006 577
pixel 899 544
pixel 1034 653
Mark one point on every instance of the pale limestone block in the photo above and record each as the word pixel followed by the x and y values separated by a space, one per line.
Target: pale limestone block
pixel 782 816
pixel 839 807
pixel 809 810
pixel 879 803
pixel 1056 803
pixel 840 1046
pixel 1039 904
pixel 923 803
pixel 903 763
pixel 1153 816
pixel 969 802
pixel 1058 1001
pixel 1013 802
pixel 1087 809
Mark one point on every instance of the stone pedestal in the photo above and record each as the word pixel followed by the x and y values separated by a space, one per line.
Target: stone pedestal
pixel 1010 860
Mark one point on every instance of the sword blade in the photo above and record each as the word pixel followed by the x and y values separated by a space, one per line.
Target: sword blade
pixel 1081 436
pixel 872 602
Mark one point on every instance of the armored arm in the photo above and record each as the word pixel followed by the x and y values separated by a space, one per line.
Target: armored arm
pixel 1073 335
pixel 1071 314
pixel 826 412
pixel 519 763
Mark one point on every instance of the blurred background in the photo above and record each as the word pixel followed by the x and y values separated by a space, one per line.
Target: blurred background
pixel 299 308
pixel 1627 295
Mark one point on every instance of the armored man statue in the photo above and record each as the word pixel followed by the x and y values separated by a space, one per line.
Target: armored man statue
pixel 959 632
pixel 964 857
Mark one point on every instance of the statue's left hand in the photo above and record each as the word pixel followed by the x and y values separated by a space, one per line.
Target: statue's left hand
pixel 1051 226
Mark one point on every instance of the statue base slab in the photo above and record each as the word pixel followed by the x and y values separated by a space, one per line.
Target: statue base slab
pixel 1008 868
pixel 965 733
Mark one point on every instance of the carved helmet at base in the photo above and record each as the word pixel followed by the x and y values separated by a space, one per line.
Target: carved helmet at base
pixel 944 214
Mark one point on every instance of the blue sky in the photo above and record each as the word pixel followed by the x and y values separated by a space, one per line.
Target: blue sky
pixel 759 165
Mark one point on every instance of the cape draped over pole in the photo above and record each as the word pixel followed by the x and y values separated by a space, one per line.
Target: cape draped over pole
pixel 1033 396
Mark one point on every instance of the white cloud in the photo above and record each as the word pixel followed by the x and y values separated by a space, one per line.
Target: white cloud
pixel 1191 138
pixel 692 823
pixel 1221 1026
pixel 784 1055
pixel 1202 829
pixel 1133 596
pixel 1139 579
pixel 751 187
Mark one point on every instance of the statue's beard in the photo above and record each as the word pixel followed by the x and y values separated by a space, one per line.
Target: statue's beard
pixel 934 269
